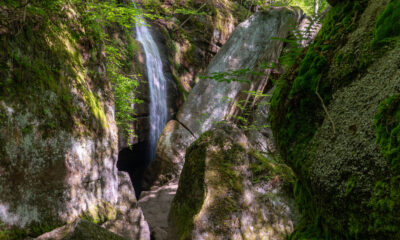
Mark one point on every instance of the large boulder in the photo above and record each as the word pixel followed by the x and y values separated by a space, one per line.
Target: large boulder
pixel 211 101
pixel 250 44
pixel 228 191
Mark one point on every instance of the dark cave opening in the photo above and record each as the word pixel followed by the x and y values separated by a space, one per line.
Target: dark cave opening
pixel 134 160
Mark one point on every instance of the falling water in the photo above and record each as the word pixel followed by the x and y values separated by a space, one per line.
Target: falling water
pixel 157 86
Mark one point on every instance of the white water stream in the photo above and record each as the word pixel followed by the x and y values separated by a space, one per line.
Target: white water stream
pixel 157 85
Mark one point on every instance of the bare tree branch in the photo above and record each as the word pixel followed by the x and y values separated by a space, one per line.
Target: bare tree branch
pixel 325 109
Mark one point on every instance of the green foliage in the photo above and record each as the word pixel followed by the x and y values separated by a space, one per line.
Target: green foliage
pixel 107 15
pixel 385 202
pixel 293 50
pixel 308 6
pixel 388 25
pixel 110 12
pixel 124 88
pixel 243 120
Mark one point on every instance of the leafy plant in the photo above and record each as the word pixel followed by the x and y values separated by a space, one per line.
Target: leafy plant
pixel 107 14
pixel 124 90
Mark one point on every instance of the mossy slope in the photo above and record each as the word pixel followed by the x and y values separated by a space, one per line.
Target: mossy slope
pixel 335 156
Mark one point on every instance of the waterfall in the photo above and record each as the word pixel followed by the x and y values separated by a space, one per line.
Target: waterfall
pixel 157 86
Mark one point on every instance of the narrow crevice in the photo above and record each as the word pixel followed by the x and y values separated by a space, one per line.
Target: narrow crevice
pixel 184 126
pixel 134 160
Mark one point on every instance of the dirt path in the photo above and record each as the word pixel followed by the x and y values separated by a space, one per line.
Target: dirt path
pixel 155 205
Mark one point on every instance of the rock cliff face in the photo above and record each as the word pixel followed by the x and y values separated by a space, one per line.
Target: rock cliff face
pixel 210 101
pixel 58 136
pixel 228 191
pixel 52 173
pixel 341 154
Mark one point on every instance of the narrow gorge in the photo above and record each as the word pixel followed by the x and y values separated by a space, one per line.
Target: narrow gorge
pixel 190 119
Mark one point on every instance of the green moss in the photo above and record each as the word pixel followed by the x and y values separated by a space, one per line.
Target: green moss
pixel 265 169
pixel 311 226
pixel 31 231
pixel 191 192
pixel 100 214
pixel 224 182
pixel 225 165
pixel 385 202
pixel 189 55
pixel 225 179
pixel 388 25
pixel 43 58
pixel 29 73
pixel 296 114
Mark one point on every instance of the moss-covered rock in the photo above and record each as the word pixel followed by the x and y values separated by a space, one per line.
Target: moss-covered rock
pixel 78 230
pixel 58 136
pixel 323 119
pixel 385 199
pixel 227 192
